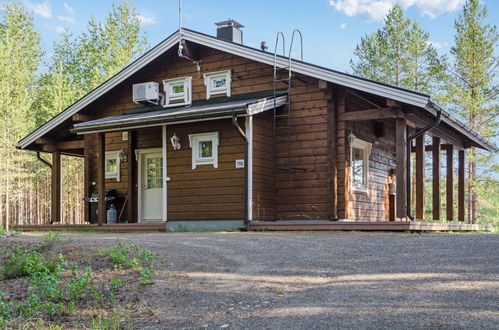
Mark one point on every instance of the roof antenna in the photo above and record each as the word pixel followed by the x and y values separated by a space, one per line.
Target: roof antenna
pixel 181 39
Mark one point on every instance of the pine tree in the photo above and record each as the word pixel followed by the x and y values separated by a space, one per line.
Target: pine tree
pixel 473 90
pixel 20 55
pixel 399 54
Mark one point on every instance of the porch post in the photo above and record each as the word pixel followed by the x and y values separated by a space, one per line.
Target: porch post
pixel 450 183
pixel 420 176
pixel 165 173
pixel 131 176
pixel 460 186
pixel 101 182
pixel 56 187
pixel 436 177
pixel 400 171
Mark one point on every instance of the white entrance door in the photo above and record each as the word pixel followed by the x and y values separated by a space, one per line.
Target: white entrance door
pixel 151 187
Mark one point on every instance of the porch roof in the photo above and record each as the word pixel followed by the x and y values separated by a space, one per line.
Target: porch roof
pixel 219 110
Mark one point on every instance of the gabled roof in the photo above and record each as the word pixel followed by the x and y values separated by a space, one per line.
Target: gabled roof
pixel 336 77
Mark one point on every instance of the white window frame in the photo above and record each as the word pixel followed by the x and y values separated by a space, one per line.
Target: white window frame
pixel 195 140
pixel 211 76
pixel 170 95
pixel 366 148
pixel 113 155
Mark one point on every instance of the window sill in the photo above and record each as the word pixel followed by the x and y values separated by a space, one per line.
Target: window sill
pixel 360 191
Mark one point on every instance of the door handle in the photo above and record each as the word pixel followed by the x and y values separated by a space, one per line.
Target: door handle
pixel 168 179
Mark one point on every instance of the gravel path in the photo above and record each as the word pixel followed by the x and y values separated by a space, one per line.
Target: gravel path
pixel 319 280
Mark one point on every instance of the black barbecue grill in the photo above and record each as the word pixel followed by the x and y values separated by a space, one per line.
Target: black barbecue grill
pixel 93 200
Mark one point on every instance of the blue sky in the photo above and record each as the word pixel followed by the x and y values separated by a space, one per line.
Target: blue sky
pixel 331 28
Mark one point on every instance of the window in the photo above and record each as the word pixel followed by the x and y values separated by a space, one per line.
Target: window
pixel 178 89
pixel 217 83
pixel 359 165
pixel 112 165
pixel 154 172
pixel 204 149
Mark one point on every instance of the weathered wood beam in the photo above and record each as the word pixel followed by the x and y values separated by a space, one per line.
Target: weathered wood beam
pixel 49 148
pixel 131 176
pixel 421 120
pixel 429 148
pixel 449 181
pixel 460 186
pixel 400 171
pixel 370 114
pixel 55 210
pixel 101 181
pixel 420 176
pixel 44 140
pixel 87 173
pixel 436 178
pixel 80 117
pixel 64 145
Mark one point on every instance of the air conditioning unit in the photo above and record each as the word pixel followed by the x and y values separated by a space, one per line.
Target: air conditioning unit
pixel 147 92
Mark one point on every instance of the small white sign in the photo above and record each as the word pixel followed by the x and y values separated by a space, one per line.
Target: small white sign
pixel 239 163
pixel 124 136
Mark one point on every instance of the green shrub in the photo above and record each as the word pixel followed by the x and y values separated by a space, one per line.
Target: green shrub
pixel 52 237
pixel 5 311
pixel 15 265
pixel 130 256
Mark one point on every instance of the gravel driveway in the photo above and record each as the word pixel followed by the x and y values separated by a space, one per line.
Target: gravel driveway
pixel 319 280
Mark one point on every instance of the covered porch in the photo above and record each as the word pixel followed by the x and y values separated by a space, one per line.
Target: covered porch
pixel 141 132
pixel 404 138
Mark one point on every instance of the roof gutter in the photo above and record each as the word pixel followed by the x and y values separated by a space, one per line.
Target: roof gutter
pixel 408 155
pixel 42 160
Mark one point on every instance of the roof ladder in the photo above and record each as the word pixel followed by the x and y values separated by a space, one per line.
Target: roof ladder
pixel 282 117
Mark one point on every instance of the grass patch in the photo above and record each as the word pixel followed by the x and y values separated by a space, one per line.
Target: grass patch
pixel 54 285
pixel 130 256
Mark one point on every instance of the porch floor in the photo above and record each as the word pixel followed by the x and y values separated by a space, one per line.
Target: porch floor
pixel 324 225
pixel 119 227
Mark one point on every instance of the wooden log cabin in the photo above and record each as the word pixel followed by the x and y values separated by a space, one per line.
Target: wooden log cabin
pixel 203 132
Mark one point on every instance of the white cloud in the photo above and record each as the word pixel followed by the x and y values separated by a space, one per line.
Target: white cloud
pixel 41 9
pixel 71 17
pixel 60 29
pixel 376 10
pixel 343 26
pixel 146 20
pixel 438 44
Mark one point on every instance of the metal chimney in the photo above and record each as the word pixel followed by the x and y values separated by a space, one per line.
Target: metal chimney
pixel 230 30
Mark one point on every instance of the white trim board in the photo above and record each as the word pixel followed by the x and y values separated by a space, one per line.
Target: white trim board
pixel 166 179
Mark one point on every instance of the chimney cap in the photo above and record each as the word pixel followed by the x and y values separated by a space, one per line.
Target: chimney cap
pixel 229 22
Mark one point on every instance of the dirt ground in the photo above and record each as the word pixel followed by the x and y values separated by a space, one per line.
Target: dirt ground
pixel 313 280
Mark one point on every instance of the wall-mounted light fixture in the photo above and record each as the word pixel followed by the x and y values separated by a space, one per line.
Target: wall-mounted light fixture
pixel 175 142
pixel 123 155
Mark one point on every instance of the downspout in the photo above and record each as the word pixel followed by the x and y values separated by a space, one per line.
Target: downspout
pixel 246 169
pixel 42 160
pixel 408 152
